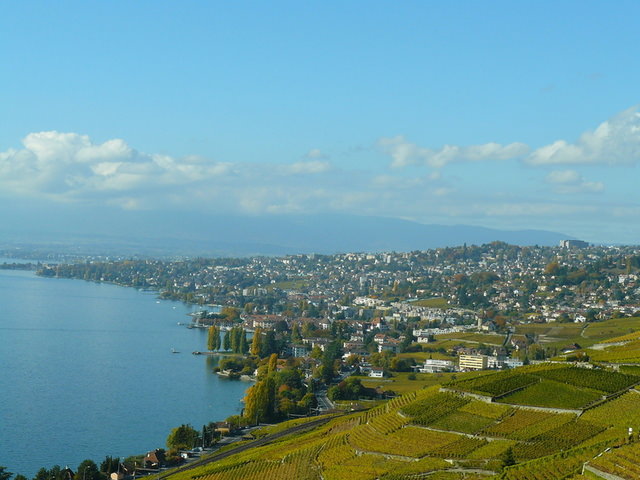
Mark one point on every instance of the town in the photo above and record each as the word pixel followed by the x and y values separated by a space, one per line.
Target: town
pixel 489 297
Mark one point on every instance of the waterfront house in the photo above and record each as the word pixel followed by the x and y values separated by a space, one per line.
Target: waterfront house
pixel 154 459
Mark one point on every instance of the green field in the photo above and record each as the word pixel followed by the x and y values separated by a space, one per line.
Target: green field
pixel 432 303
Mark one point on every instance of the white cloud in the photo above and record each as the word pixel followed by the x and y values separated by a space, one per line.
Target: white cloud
pixel 67 166
pixel 614 142
pixel 316 153
pixel 405 153
pixel 307 167
pixel 570 181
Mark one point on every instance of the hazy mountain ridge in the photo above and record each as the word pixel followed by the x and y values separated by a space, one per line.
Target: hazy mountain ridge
pixel 154 233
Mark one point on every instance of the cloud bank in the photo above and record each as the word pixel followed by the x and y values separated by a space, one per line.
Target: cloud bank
pixel 501 185
pixel 405 153
pixel 614 142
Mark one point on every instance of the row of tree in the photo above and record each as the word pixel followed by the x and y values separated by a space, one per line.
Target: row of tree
pixel 277 393
pixel 87 470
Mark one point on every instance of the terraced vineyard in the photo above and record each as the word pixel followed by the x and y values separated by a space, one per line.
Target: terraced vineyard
pixel 623 462
pixel 627 353
pixel 549 385
pixel 442 434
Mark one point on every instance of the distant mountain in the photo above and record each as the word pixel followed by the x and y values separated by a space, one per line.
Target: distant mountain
pixel 165 233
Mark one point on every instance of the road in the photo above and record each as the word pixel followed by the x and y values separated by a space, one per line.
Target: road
pixel 241 448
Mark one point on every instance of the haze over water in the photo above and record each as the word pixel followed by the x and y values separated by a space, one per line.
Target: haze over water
pixel 86 370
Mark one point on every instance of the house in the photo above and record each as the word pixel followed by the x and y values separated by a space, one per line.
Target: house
pixel 379 338
pixel 223 428
pixel 67 473
pixel 376 372
pixel 154 459
pixel 123 472
pixel 571 348
pixel 390 345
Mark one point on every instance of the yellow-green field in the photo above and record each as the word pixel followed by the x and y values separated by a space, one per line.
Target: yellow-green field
pixel 432 303
pixel 471 337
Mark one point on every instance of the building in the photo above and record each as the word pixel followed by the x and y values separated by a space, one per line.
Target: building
pixel 573 244
pixel 299 351
pixel 376 372
pixel 472 362
pixel 435 366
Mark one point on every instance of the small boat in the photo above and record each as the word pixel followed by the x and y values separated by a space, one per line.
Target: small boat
pixel 173 350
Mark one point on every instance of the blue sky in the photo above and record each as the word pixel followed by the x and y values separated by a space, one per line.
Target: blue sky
pixel 501 114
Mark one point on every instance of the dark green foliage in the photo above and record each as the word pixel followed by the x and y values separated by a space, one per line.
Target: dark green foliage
pixel 184 437
pixel 110 465
pixel 269 344
pixel 507 458
pixel 244 366
pixel 4 475
pixel 349 389
pixel 277 394
pixel 88 470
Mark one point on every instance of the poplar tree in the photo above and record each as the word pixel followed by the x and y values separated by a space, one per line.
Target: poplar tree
pixel 256 343
pixel 227 340
pixel 211 340
pixel 273 363
pixel 244 345
pixel 234 339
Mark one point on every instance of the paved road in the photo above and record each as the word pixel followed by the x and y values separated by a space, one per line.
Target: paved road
pixel 324 404
pixel 241 448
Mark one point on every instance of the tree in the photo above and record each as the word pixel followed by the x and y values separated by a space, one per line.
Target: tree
pixel 244 345
pixel 184 437
pixel 110 464
pixel 295 334
pixel 256 343
pixel 507 458
pixel 5 475
pixel 273 363
pixel 227 340
pixel 211 340
pixel 88 470
pixel 269 345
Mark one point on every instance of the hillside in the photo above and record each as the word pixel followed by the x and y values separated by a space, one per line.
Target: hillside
pixel 455 432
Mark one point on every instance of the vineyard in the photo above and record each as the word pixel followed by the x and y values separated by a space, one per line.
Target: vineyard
pixel 604 381
pixel 623 461
pixel 553 467
pixel 430 409
pixel 552 394
pixel 549 385
pixel 497 384
pixel 627 353
pixel 441 434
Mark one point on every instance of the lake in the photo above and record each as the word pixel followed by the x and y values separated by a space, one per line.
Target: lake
pixel 87 370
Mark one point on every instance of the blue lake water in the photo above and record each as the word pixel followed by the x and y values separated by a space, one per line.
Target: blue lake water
pixel 86 370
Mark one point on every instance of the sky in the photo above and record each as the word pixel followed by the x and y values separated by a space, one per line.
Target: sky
pixel 510 115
